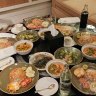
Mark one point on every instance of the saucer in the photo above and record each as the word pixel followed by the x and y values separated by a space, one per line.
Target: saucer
pixel 15 31
pixel 44 83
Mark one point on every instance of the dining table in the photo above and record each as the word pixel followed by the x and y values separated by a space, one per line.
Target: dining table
pixel 50 44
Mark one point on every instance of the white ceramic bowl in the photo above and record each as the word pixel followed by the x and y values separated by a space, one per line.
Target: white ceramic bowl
pixel 55 61
pixel 37 56
pixel 23 52
pixel 90 57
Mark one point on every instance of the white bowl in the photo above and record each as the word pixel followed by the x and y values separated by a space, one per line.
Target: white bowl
pixel 23 52
pixel 57 61
pixel 88 56
pixel 36 56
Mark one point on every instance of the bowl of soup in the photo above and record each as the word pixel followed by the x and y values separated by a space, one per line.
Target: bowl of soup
pixel 23 47
pixel 55 67
pixel 89 51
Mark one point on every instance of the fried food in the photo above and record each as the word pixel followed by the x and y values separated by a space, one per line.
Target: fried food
pixel 37 23
pixel 13 87
pixel 19 78
pixel 65 30
pixel 79 72
pixel 17 74
pixel 93 86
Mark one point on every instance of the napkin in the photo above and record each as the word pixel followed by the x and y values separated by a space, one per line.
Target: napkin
pixel 51 28
pixel 69 20
pixel 54 32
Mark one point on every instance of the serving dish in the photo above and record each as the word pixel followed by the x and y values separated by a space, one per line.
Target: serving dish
pixel 71 55
pixel 28 35
pixel 55 67
pixel 65 29
pixel 84 78
pixel 36 22
pixel 84 37
pixel 9 78
pixel 6 42
pixel 40 59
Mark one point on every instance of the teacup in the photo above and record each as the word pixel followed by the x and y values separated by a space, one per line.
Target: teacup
pixel 19 27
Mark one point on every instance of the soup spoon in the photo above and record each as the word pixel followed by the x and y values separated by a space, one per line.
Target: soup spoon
pixel 49 87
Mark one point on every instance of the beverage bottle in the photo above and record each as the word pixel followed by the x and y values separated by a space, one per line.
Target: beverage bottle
pixel 65 82
pixel 84 17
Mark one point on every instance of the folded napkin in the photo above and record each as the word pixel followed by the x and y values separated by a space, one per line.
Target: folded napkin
pixel 69 20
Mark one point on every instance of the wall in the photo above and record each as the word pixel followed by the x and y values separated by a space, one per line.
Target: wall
pixel 18 14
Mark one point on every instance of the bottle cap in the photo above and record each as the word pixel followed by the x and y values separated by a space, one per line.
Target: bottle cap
pixel 85 7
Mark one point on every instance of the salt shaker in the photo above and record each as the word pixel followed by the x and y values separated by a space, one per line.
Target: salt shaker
pixel 65 82
pixel 84 17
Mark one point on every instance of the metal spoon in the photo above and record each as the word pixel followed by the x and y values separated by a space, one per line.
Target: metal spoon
pixel 49 87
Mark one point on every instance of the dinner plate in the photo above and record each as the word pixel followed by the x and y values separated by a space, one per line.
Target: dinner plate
pixel 7 35
pixel 40 59
pixel 35 23
pixel 6 47
pixel 4 78
pixel 84 37
pixel 75 80
pixel 6 42
pixel 6 62
pixel 66 29
pixel 71 55
pixel 44 83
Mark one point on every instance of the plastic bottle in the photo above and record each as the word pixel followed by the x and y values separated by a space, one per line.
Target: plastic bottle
pixel 65 82
pixel 84 17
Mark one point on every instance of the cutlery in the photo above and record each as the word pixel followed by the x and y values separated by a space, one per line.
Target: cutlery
pixel 49 87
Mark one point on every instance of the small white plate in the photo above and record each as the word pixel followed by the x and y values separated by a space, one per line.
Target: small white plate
pixel 44 83
pixel 7 35
pixel 6 62
pixel 15 31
